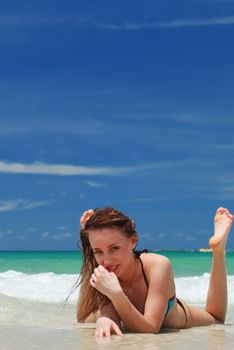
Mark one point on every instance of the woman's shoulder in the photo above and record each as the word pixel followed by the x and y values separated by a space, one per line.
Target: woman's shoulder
pixel 154 257
pixel 156 266
pixel 154 261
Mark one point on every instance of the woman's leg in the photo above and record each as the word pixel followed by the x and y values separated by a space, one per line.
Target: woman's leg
pixel 216 304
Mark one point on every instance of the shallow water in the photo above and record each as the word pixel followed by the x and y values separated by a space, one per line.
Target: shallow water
pixel 33 316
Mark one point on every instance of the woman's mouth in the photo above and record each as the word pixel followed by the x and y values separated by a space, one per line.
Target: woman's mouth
pixel 113 268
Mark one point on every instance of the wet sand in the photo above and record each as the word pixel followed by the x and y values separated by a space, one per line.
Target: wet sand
pixel 49 327
pixel 79 337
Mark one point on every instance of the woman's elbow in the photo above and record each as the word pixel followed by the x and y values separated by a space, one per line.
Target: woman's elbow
pixel 144 329
pixel 154 327
pixel 155 330
pixel 152 330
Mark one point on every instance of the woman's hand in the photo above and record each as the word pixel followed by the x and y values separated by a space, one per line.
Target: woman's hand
pixel 106 282
pixel 105 327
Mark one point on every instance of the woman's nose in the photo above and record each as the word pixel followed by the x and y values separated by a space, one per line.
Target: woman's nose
pixel 106 261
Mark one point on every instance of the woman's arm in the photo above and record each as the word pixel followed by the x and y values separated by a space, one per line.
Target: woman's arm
pixel 108 310
pixel 108 322
pixel 159 278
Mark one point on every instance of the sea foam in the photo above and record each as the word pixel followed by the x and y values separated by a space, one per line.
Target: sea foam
pixel 55 288
pixel 42 287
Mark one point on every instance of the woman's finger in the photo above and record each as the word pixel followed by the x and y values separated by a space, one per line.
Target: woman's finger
pixel 92 282
pixel 117 330
pixel 99 332
pixel 106 332
pixel 96 272
pixel 100 268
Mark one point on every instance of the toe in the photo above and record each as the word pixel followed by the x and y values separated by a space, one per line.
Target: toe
pixel 220 210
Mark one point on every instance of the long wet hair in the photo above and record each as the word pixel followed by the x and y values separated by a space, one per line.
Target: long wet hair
pixel 90 299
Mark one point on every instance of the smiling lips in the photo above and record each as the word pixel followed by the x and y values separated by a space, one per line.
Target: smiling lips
pixel 112 268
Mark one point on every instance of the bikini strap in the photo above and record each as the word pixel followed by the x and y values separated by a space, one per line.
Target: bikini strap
pixel 142 268
pixel 185 312
pixel 139 252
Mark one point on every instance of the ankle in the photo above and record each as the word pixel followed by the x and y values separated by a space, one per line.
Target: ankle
pixel 219 252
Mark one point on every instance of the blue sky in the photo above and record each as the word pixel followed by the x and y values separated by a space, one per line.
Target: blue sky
pixel 115 103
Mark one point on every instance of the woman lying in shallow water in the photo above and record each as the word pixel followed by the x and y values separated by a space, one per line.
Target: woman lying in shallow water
pixel 121 288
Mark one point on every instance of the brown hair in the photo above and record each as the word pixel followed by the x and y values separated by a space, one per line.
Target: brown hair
pixel 90 299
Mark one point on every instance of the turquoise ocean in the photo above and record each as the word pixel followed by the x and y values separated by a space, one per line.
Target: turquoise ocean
pixel 184 263
pixel 34 286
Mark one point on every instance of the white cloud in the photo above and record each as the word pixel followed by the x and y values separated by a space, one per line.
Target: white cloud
pixel 9 232
pixel 74 170
pixel 62 236
pixel 223 147
pixel 22 20
pixel 81 127
pixel 22 237
pixel 198 22
pixel 63 194
pixel 31 229
pixel 179 235
pixel 62 228
pixel 144 235
pixel 13 130
pixel 161 235
pixel 203 231
pixel 191 238
pixel 131 26
pixel 147 236
pixel 95 184
pixel 5 233
pixel 45 235
pixel 20 204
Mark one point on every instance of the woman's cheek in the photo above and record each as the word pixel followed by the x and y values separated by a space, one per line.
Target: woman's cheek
pixel 98 259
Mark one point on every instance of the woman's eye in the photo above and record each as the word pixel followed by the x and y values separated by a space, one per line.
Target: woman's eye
pixel 114 249
pixel 97 252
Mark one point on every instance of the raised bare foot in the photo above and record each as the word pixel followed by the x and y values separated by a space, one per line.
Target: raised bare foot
pixel 85 216
pixel 222 224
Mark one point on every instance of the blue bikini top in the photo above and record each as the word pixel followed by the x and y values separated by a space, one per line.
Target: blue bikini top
pixel 171 301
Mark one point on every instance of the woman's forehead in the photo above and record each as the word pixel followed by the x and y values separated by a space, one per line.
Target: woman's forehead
pixel 108 235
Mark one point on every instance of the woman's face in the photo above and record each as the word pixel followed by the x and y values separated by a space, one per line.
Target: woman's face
pixel 112 249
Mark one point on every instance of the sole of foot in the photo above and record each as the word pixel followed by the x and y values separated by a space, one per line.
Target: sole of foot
pixel 222 223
